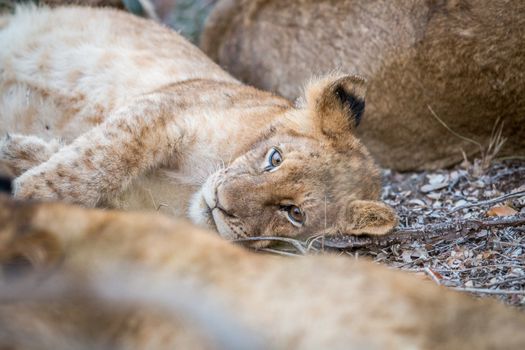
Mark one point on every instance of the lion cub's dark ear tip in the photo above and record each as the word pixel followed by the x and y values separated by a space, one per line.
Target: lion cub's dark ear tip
pixel 6 185
pixel 350 100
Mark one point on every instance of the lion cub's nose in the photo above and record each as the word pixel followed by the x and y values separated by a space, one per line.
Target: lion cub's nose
pixel 225 201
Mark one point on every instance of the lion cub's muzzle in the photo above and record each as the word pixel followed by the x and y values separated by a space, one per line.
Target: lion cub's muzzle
pixel 228 224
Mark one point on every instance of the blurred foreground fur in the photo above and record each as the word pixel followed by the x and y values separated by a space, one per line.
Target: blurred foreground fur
pixel 117 280
pixel 456 61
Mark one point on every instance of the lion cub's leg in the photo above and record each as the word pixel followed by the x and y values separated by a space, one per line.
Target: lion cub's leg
pixel 103 162
pixel 19 153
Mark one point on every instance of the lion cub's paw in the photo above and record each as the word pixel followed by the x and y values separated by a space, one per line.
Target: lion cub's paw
pixel 57 181
pixel 39 185
pixel 19 153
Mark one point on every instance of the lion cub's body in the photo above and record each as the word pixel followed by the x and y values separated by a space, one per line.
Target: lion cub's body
pixel 139 281
pixel 106 109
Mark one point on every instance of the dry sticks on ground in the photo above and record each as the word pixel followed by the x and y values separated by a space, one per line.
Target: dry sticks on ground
pixel 446 230
pixel 491 201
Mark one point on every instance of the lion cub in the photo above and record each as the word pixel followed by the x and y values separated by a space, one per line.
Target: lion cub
pixel 142 281
pixel 106 109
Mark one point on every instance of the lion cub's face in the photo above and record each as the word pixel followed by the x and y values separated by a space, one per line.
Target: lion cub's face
pixel 306 175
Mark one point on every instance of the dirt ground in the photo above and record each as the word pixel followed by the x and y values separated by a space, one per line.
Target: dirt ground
pixel 487 261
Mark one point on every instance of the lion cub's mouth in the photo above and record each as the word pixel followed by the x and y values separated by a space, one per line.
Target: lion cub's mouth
pixel 200 213
pixel 206 210
pixel 217 216
pixel 208 213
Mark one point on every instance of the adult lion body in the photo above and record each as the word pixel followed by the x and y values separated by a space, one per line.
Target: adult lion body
pixel 462 61
pixel 263 301
pixel 146 121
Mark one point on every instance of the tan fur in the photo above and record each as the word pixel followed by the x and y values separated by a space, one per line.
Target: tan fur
pixel 148 122
pixel 463 59
pixel 315 302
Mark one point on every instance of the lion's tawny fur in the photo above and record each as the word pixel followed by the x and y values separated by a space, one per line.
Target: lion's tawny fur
pixel 462 60
pixel 314 302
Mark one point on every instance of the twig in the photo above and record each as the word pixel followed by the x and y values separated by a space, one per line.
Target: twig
pixel 295 243
pixel 507 173
pixel 432 275
pixel 278 252
pixel 515 279
pixel 491 201
pixel 490 291
pixel 497 266
pixel 445 230
pixel 428 232
pixel 451 270
pixel 149 9
pixel 496 142
pixel 510 244
pixel 311 241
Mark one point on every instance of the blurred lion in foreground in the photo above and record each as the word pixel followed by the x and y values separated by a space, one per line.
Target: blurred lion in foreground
pixel 83 278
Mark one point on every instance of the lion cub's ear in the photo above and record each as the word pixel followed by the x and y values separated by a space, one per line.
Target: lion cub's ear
pixel 367 217
pixel 338 104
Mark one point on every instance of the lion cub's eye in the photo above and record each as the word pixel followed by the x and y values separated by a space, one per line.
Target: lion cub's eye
pixel 274 158
pixel 294 214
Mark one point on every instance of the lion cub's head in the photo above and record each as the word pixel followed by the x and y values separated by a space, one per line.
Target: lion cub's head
pixel 307 174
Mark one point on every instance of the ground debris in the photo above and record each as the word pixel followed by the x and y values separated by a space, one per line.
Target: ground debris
pixel 487 261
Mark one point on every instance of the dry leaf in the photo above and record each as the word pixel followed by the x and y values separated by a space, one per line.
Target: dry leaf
pixel 433 187
pixel 487 255
pixel 407 256
pixel 501 210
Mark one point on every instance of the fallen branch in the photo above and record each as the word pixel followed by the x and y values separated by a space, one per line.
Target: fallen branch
pixel 510 280
pixel 490 201
pixel 432 275
pixel 278 252
pixel 446 230
pixel 490 291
